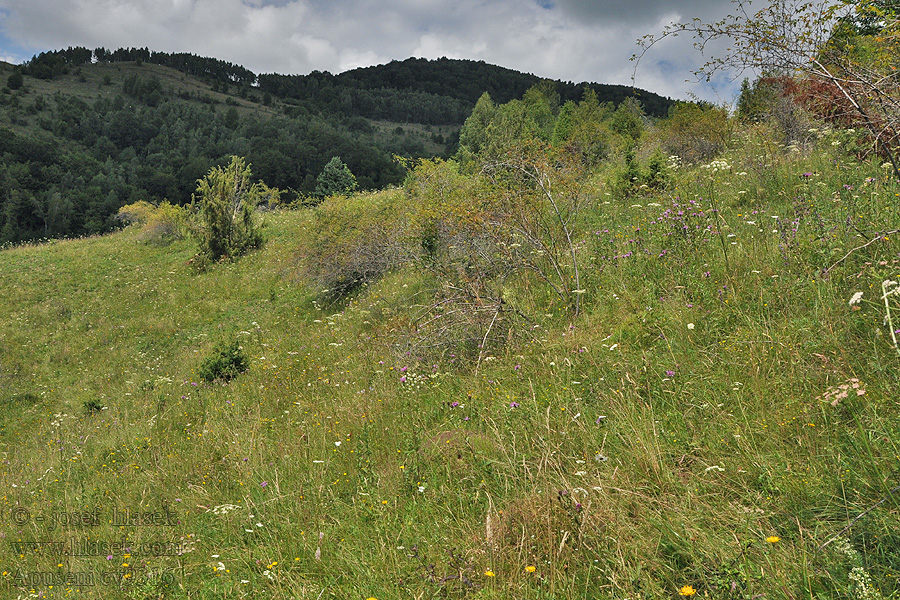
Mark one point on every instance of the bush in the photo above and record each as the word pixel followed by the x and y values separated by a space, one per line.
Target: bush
pixel 161 225
pixel 696 132
pixel 15 81
pixel 225 362
pixel 137 213
pixel 227 227
pixel 355 240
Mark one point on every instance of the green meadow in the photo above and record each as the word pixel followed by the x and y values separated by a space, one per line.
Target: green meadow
pixel 712 411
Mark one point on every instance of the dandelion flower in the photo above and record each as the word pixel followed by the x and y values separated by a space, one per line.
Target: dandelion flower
pixel 687 591
pixel 489 573
pixel 773 539
pixel 531 568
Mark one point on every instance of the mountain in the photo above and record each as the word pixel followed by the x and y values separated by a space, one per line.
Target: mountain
pixel 88 131
pixel 441 91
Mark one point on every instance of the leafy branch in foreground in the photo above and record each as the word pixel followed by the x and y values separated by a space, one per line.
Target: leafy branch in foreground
pixel 851 47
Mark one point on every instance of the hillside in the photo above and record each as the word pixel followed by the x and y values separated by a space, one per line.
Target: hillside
pixel 436 92
pixel 89 131
pixel 701 401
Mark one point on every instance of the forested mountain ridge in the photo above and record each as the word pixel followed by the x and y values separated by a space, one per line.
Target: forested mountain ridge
pixel 437 91
pixel 88 131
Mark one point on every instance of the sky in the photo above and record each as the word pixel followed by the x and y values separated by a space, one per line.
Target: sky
pixel 569 40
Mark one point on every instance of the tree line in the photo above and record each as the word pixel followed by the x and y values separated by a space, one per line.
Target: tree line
pixel 69 162
pixel 85 159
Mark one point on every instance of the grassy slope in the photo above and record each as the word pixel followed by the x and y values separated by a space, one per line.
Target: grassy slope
pixel 656 442
pixel 89 82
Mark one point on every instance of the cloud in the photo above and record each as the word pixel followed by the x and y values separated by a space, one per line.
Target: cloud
pixel 636 11
pixel 573 40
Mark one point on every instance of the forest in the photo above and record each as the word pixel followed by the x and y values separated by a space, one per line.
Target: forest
pixel 93 130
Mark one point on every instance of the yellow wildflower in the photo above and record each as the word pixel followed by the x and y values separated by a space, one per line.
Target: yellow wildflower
pixel 687 591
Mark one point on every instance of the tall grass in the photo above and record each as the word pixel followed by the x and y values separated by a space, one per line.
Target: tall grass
pixel 686 433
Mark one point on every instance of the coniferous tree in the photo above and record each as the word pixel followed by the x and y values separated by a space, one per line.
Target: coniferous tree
pixel 226 201
pixel 335 178
pixel 15 80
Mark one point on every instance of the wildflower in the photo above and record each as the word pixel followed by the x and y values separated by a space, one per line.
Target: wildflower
pixel 514 405
pixel 690 326
pixel 670 373
pixel 531 568
pixel 773 539
pixel 263 483
pixel 488 573
pixel 687 591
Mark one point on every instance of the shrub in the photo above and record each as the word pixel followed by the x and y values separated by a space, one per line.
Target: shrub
pixel 497 245
pixel 633 178
pixel 161 224
pixel 696 132
pixel 92 407
pixel 137 213
pixel 227 227
pixel 225 362
pixel 355 240
pixel 15 80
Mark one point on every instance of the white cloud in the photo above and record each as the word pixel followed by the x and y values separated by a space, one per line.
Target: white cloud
pixel 573 40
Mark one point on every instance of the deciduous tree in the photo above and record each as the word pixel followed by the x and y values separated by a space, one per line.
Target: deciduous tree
pixel 846 50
